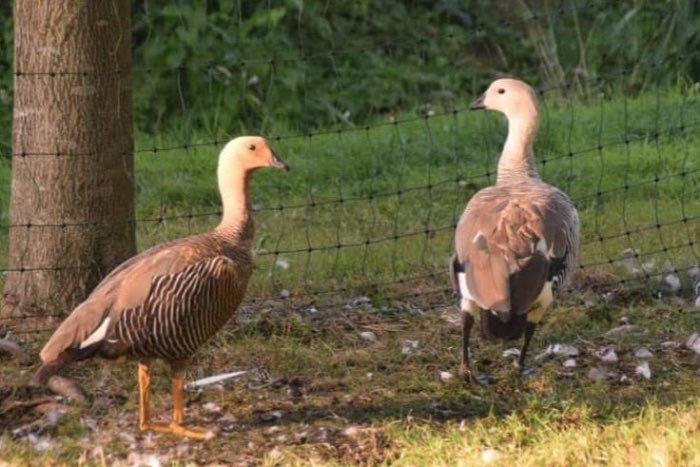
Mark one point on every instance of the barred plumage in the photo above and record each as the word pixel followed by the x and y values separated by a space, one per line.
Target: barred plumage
pixel 517 241
pixel 167 301
pixel 183 310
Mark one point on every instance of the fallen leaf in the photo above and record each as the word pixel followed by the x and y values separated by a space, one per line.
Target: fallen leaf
pixel 67 388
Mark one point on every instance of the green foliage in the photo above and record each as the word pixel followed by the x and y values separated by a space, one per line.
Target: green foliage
pixel 262 66
pixel 222 67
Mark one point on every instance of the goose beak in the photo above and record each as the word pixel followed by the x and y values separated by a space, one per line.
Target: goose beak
pixel 478 104
pixel 278 163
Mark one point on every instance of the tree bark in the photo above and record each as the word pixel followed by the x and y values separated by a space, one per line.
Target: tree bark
pixel 72 194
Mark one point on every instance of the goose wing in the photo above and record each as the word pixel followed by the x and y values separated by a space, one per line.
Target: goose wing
pixel 506 246
pixel 126 287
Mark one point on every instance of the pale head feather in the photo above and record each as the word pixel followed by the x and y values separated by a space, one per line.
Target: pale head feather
pixel 511 97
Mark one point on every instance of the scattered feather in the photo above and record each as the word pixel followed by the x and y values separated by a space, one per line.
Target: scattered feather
pixel 274 453
pixel 361 300
pixel 629 261
pixel 446 376
pixel 320 436
pixel 673 282
pixel 214 379
pixel 453 320
pixel 491 455
pixel 408 347
pixel 273 416
pixel 546 354
pixel 643 353
pixel 351 432
pixel 368 336
pixel 608 355
pixel 284 293
pixel 41 443
pixel 282 263
pixel 211 407
pixel 643 370
pixel 569 363
pixel 14 349
pixel 227 423
pixel 693 342
pixel 598 374
pixel 670 344
pixel 44 424
pixel 558 350
pixel 565 350
pixel 512 352
pixel 625 328
pixel 90 423
pixel 143 460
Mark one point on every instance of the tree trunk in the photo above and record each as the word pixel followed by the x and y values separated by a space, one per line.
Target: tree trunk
pixel 72 196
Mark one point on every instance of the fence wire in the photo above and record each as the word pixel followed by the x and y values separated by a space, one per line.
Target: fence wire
pixel 372 203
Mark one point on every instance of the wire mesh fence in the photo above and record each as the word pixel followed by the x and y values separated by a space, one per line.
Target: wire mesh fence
pixel 371 204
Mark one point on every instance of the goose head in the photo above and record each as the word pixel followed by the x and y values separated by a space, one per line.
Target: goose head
pixel 511 97
pixel 246 154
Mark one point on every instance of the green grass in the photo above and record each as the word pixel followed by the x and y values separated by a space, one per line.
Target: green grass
pixel 399 181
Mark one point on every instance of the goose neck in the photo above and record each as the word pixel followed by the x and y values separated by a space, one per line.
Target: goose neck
pixel 236 217
pixel 517 159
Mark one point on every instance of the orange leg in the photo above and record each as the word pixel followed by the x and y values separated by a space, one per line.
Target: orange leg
pixel 175 426
pixel 144 396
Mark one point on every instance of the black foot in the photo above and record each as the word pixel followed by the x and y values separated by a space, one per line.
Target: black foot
pixel 468 376
pixel 483 379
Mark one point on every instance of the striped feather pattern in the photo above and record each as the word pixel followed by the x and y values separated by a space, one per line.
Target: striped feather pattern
pixel 183 310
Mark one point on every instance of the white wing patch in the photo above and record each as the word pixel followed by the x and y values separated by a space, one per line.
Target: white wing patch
pixel 464 304
pixel 97 335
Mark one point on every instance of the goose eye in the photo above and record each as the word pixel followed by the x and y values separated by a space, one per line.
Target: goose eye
pixel 501 91
pixel 251 147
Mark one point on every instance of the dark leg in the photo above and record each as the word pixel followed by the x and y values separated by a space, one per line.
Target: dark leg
pixel 465 368
pixel 529 331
